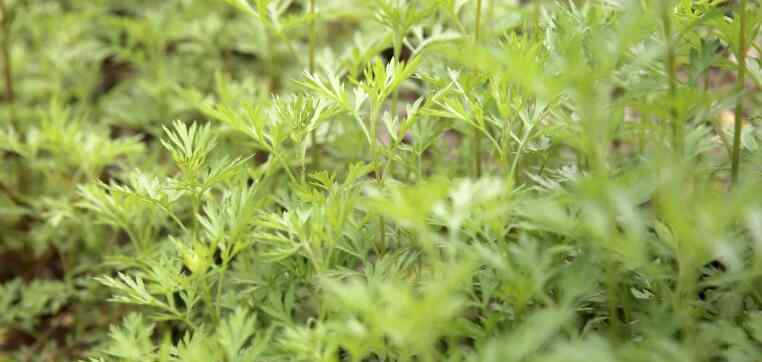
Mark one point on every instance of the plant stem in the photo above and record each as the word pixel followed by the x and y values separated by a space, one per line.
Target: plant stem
pixel 196 204
pixel 207 297
pixel 5 28
pixel 740 79
pixel 515 164
pixel 378 170
pixel 477 133
pixel 312 45
pixel 669 65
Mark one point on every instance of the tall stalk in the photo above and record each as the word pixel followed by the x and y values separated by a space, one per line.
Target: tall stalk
pixel 378 170
pixel 669 65
pixel 5 28
pixel 740 80
pixel 477 151
pixel 381 248
pixel 311 68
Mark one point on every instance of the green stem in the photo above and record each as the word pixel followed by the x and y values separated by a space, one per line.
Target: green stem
pixel 196 204
pixel 669 65
pixel 740 79
pixel 381 246
pixel 285 166
pixel 5 48
pixel 312 46
pixel 395 104
pixel 515 164
pixel 477 151
pixel 207 297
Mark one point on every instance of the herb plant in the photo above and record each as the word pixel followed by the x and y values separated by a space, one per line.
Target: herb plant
pixel 380 180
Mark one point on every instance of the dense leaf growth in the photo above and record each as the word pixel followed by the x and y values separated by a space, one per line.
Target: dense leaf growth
pixel 380 180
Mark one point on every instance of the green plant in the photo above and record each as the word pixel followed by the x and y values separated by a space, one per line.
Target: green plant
pixel 380 180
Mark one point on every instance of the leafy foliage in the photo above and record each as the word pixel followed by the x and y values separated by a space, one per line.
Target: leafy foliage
pixel 380 180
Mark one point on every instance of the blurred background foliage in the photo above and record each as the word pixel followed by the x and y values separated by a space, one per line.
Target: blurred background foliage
pixel 380 180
